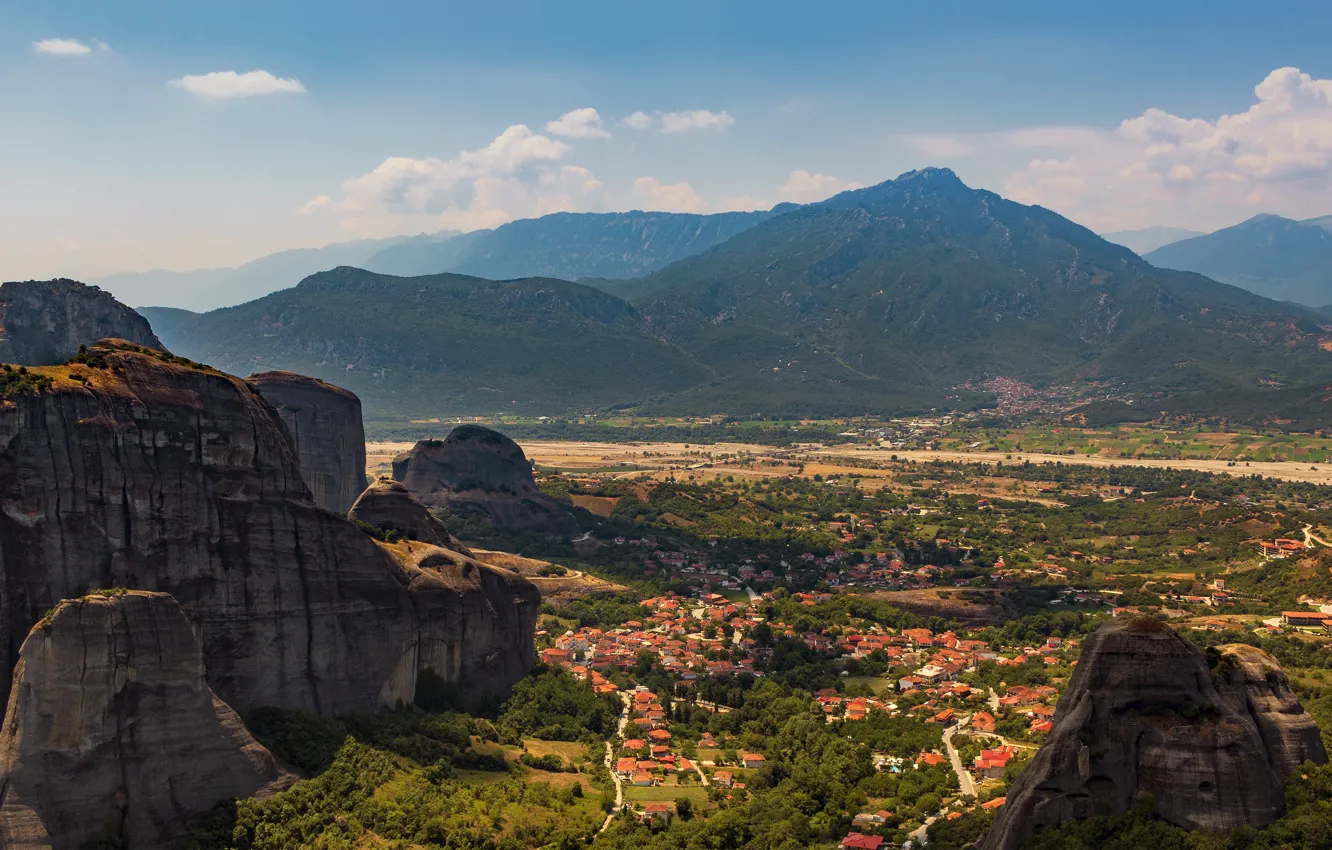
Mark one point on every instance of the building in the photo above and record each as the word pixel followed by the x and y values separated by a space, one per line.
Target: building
pixel 752 760
pixel 1282 547
pixel 658 812
pixel 857 841
pixel 1309 619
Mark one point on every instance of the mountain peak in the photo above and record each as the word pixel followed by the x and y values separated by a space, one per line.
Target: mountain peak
pixel 929 174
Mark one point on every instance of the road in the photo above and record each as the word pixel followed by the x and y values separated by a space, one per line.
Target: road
pixel 964 780
pixel 994 700
pixel 753 597
pixel 1310 538
pixel 610 763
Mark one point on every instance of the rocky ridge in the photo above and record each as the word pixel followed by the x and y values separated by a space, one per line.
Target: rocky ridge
pixel 132 746
pixel 43 322
pixel 481 473
pixel 324 422
pixel 1144 714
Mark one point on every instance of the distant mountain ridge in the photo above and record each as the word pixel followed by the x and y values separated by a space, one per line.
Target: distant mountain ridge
pixel 1149 238
pixel 208 289
pixel 1276 257
pixel 568 246
pixel 571 246
pixel 888 299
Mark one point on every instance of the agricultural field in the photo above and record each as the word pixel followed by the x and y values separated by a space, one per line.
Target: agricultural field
pixel 1146 442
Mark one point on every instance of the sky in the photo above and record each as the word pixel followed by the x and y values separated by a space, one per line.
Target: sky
pixel 155 134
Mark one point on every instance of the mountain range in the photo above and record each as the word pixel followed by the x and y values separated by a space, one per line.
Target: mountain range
pixel 1273 256
pixel 570 246
pixel 887 299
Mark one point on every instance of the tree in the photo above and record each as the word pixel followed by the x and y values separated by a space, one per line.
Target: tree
pixel 684 808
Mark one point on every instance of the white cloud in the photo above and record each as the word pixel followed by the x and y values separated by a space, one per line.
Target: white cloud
pixel 518 174
pixel 682 121
pixel 638 121
pixel 1162 168
pixel 695 119
pixel 582 123
pixel 221 85
pixel 804 188
pixel 63 47
pixel 668 197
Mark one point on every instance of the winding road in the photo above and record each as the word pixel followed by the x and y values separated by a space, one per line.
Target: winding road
pixel 610 763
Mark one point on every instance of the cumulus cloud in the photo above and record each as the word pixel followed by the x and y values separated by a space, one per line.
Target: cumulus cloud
pixel 222 85
pixel 682 121
pixel 63 47
pixel 638 121
pixel 518 174
pixel 582 123
pixel 1158 167
pixel 804 188
pixel 668 197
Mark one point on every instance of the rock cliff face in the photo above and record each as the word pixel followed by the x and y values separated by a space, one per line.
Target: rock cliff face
pixel 479 472
pixel 112 731
pixel 153 474
pixel 44 322
pixel 325 426
pixel 390 506
pixel 1143 714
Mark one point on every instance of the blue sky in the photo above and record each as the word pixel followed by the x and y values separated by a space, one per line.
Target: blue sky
pixel 120 152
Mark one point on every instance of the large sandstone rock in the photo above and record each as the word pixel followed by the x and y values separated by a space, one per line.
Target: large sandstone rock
pixel 1143 714
pixel 479 472
pixel 325 426
pixel 158 475
pixel 43 322
pixel 389 506
pixel 112 731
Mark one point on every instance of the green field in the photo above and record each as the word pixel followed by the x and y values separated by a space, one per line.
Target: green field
pixel 666 794
pixel 1147 442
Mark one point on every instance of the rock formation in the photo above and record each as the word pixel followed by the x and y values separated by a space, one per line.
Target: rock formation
pixel 1253 683
pixel 325 426
pixel 112 731
pixel 389 506
pixel 473 618
pixel 44 322
pixel 151 473
pixel 479 472
pixel 1144 714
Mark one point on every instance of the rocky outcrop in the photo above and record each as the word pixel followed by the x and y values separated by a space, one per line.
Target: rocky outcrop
pixel 389 506
pixel 479 472
pixel 1253 683
pixel 1144 714
pixel 112 731
pixel 476 625
pixel 324 423
pixel 43 322
pixel 154 474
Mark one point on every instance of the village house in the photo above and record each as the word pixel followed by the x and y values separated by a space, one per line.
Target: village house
pixel 656 812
